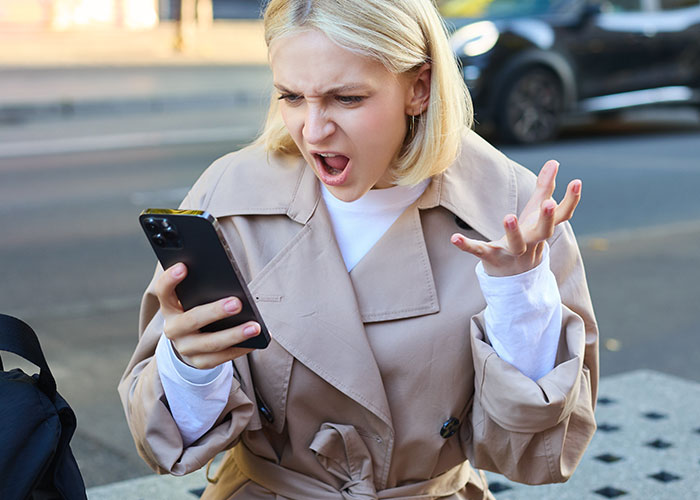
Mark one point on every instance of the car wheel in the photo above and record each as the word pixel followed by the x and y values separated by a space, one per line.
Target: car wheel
pixel 530 110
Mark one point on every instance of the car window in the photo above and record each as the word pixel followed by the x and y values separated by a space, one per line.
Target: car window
pixel 501 8
pixel 621 5
pixel 677 4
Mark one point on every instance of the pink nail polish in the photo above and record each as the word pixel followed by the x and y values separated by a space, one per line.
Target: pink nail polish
pixel 232 305
pixel 250 331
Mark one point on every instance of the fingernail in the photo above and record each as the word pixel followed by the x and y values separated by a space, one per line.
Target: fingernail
pixel 510 222
pixel 577 187
pixel 178 270
pixel 232 305
pixel 250 331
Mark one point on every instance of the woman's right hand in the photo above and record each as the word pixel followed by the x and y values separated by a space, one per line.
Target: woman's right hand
pixel 200 349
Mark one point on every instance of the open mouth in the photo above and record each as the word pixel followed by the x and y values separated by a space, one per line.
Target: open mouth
pixel 333 164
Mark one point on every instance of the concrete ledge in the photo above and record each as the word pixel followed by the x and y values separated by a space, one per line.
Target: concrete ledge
pixel 90 72
pixel 59 93
pixel 225 42
pixel 647 447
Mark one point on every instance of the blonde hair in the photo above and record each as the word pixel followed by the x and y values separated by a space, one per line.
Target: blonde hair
pixel 403 35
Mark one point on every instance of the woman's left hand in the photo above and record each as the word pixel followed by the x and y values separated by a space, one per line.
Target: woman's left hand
pixel 520 249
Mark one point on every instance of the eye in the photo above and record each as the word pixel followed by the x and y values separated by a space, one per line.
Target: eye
pixel 349 99
pixel 290 98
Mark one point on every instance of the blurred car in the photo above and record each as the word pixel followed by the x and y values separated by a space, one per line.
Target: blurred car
pixel 529 63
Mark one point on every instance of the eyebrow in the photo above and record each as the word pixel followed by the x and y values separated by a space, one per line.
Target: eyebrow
pixel 339 89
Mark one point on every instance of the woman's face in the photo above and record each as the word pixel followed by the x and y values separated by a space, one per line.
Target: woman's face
pixel 345 112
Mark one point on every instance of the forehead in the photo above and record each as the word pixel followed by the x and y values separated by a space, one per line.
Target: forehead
pixel 309 61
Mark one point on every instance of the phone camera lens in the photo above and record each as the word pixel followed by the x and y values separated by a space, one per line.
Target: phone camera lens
pixel 150 224
pixel 170 233
pixel 160 240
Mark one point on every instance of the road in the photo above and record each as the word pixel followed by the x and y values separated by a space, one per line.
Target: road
pixel 74 261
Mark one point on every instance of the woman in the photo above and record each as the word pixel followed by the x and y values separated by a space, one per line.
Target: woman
pixel 425 295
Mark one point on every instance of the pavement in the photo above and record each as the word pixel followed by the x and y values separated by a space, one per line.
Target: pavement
pixel 46 75
pixel 647 446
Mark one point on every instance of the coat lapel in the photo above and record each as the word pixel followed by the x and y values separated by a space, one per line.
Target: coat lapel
pixel 394 279
pixel 316 317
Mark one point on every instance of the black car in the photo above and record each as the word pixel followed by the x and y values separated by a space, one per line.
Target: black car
pixel 528 63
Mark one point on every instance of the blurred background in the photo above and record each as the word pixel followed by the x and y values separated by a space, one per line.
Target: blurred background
pixel 108 107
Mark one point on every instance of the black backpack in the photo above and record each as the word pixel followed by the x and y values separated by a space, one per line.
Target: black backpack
pixel 36 425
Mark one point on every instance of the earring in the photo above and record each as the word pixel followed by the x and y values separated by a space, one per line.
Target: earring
pixel 412 125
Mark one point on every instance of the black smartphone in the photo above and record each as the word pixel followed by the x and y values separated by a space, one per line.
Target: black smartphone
pixel 194 238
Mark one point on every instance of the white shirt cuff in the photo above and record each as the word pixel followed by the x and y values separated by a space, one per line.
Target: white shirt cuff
pixel 196 397
pixel 523 317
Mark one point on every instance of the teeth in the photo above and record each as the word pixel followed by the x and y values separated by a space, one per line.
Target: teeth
pixel 327 155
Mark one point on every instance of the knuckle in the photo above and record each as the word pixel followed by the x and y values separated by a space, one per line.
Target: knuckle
pixel 198 361
pixel 209 344
pixel 188 322
pixel 159 288
pixel 183 347
pixel 168 328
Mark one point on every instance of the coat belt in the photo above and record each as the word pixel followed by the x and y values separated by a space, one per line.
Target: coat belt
pixel 343 453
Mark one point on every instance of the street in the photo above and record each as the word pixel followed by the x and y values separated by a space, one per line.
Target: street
pixel 75 262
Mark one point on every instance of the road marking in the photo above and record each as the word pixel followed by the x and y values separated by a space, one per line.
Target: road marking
pixel 125 141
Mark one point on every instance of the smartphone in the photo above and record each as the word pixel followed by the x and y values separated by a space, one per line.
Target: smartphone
pixel 194 238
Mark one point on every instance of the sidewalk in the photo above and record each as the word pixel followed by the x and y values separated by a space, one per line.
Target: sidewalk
pixel 226 42
pixel 647 447
pixel 53 74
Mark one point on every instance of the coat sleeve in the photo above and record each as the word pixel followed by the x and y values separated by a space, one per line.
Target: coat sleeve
pixel 152 426
pixel 536 432
pixel 156 435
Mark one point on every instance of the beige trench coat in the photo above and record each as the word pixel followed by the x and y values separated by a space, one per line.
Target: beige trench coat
pixel 365 367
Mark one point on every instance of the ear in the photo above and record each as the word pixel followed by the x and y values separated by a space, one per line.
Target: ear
pixel 418 94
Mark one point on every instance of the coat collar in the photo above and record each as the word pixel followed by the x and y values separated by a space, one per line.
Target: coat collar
pixel 252 182
pixel 479 188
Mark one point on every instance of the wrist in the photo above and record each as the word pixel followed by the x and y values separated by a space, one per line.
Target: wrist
pixel 522 265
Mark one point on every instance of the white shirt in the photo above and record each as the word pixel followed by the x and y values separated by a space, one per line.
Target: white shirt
pixel 359 224
pixel 522 316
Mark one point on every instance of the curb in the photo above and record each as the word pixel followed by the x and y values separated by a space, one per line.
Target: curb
pixel 69 108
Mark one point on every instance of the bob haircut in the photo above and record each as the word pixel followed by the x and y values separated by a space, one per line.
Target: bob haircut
pixel 402 35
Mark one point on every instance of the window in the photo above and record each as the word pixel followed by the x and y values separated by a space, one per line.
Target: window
pixel 677 4
pixel 622 5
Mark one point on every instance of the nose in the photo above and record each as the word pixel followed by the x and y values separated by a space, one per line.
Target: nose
pixel 318 126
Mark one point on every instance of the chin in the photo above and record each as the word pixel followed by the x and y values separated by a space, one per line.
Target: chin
pixel 346 194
